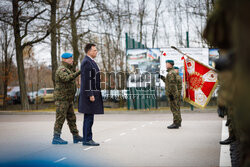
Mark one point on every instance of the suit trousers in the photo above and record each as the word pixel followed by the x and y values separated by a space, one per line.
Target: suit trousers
pixel 87 127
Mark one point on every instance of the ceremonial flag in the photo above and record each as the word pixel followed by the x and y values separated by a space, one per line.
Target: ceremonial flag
pixel 199 80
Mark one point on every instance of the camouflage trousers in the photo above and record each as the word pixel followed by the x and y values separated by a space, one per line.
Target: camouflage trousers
pixel 65 110
pixel 230 119
pixel 175 109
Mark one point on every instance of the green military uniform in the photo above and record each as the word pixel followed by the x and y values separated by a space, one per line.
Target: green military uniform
pixel 179 86
pixel 173 95
pixel 65 89
pixel 225 98
pixel 219 33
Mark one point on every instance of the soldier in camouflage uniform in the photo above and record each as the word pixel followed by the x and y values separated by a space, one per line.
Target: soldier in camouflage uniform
pixel 225 79
pixel 172 94
pixel 218 33
pixel 179 85
pixel 65 89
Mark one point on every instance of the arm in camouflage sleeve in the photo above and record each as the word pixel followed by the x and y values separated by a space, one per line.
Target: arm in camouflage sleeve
pixel 172 87
pixel 65 77
pixel 179 85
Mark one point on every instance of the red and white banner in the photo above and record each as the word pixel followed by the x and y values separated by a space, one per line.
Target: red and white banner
pixel 200 82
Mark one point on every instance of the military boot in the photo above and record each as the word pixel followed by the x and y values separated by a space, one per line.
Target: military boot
pixel 58 140
pixel 228 123
pixel 77 138
pixel 173 126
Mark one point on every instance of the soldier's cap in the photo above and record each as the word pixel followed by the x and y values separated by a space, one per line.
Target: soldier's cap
pixel 66 55
pixel 176 68
pixel 170 61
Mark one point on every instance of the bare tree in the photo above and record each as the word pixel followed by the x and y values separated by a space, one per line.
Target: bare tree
pixel 156 21
pixel 54 25
pixel 74 16
pixel 20 21
pixel 7 48
pixel 53 39
pixel 142 14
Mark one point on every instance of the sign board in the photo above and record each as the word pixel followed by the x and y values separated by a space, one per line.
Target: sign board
pixel 213 54
pixel 143 65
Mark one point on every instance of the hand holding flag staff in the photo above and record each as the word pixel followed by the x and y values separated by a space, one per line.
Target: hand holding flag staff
pixel 199 81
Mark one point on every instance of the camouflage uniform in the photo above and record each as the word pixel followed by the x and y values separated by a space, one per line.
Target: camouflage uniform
pixel 219 33
pixel 225 99
pixel 179 87
pixel 171 83
pixel 65 89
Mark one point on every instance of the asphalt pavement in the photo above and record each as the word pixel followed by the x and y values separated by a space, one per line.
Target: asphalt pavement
pixel 127 139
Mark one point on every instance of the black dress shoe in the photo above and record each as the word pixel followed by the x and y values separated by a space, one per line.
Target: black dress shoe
pixel 173 126
pixel 227 141
pixel 90 143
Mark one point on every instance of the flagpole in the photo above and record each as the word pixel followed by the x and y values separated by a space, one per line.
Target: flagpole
pixel 184 54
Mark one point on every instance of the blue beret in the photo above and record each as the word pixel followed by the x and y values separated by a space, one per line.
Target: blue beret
pixel 170 61
pixel 176 68
pixel 66 55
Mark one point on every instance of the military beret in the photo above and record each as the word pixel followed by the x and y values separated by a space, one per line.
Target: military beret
pixel 176 68
pixel 66 55
pixel 170 61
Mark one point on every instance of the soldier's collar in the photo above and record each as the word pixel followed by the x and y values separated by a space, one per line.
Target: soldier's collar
pixel 67 65
pixel 169 69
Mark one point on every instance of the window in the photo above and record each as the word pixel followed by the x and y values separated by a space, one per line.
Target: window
pixel 50 91
pixel 40 92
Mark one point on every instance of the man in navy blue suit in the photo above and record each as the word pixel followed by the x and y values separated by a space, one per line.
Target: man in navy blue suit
pixel 90 99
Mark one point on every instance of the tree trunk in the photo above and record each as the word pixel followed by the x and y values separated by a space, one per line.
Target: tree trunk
pixel 58 35
pixel 74 33
pixel 19 56
pixel 6 75
pixel 37 85
pixel 5 69
pixel 142 15
pixel 53 39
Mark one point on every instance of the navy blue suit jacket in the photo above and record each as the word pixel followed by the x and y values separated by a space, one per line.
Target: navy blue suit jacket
pixel 90 86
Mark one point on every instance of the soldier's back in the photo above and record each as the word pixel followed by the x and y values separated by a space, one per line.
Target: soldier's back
pixel 64 90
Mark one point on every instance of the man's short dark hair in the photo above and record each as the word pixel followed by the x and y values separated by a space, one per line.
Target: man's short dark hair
pixel 88 47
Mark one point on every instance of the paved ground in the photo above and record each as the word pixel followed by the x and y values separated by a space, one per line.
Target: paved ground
pixel 126 140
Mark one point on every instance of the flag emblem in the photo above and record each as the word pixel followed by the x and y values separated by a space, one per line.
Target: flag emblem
pixel 200 82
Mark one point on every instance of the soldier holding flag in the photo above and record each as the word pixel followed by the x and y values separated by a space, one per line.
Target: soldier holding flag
pixel 172 93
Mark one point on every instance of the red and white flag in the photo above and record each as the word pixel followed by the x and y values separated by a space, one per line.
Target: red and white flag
pixel 200 82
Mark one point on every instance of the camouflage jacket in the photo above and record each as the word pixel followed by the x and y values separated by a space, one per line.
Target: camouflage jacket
pixel 65 85
pixel 179 83
pixel 171 83
pixel 225 96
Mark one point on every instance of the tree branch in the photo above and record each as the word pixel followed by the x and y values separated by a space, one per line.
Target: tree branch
pixel 35 41
pixel 80 10
pixel 5 21
pixel 27 23
pixel 83 34
pixel 47 33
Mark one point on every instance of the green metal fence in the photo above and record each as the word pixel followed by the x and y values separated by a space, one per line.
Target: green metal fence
pixel 139 98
